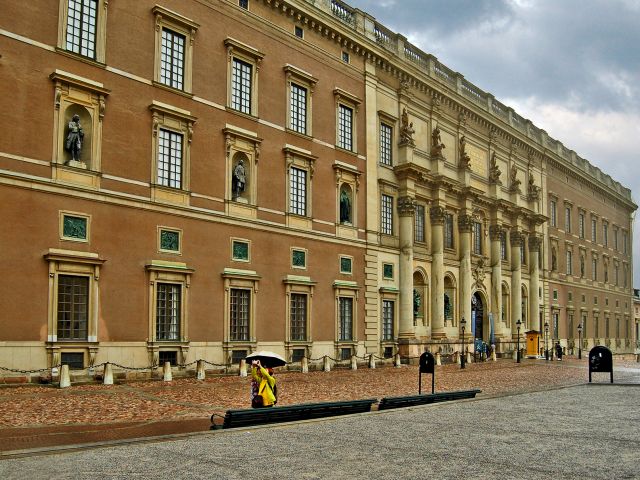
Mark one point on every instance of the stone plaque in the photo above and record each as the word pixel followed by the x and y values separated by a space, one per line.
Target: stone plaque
pixel 478 160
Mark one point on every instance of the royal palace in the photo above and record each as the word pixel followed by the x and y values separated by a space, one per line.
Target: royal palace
pixel 199 179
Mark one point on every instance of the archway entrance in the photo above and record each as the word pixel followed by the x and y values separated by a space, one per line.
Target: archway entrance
pixel 477 316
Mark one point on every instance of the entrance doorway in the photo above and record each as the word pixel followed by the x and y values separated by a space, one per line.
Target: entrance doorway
pixel 477 315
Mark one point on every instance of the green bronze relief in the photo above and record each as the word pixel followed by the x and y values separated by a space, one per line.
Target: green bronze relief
pixel 74 227
pixel 169 240
pixel 240 251
pixel 299 258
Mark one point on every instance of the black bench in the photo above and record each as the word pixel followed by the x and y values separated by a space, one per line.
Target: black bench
pixel 290 413
pixel 412 400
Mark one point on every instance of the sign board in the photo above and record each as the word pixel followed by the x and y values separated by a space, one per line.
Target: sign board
pixel 427 365
pixel 600 360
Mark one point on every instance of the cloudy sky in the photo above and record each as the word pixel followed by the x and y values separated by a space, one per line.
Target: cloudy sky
pixel 570 66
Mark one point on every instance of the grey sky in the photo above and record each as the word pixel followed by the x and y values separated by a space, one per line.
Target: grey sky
pixel 570 66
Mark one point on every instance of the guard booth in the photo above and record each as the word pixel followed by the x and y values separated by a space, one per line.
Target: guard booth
pixel 533 343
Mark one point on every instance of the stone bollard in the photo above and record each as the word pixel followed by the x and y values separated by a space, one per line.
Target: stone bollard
pixel 438 359
pixel 515 355
pixel 64 377
pixel 200 375
pixel 107 375
pixel 469 359
pixel 326 366
pixel 243 368
pixel 493 356
pixel 456 357
pixel 398 361
pixel 305 365
pixel 354 362
pixel 166 372
pixel 372 361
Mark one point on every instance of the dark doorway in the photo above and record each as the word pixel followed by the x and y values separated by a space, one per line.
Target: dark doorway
pixel 477 315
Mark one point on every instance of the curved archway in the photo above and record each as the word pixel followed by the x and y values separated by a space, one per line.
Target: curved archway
pixel 479 316
pixel 450 300
pixel 420 298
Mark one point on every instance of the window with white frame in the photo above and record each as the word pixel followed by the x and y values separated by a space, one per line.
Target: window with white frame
pixel 243 68
pixel 503 245
pixel 624 242
pixel 477 238
pixel 448 231
pixel 605 234
pixel 239 314
pixel 388 319
pixel 73 307
pixel 345 319
pixel 168 311
pixel 385 144
pixel 567 219
pixel 241 77
pixel 298 316
pixel 594 229
pixel 569 262
pixel 169 159
pixel 172 59
pixel 594 268
pixel 82 27
pixel 386 214
pixel 581 224
pixel 345 127
pixel 298 109
pixel 419 232
pixel 615 238
pixel 553 212
pixel 300 86
pixel 298 191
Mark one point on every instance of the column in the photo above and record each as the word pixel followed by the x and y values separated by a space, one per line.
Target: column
pixel 495 234
pixel 406 211
pixel 437 215
pixel 465 226
pixel 534 298
pixel 516 279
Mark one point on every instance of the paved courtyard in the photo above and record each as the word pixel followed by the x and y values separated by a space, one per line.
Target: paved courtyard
pixel 43 417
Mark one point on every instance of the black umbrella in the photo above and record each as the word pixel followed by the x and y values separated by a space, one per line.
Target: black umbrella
pixel 267 359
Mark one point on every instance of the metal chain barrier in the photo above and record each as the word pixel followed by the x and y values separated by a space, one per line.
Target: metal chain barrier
pixel 40 370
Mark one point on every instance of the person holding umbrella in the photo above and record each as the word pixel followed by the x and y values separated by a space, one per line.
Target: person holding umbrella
pixel 263 383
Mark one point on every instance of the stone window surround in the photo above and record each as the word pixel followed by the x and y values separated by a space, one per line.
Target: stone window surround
pixel 393 296
pixel 165 18
pixel 247 54
pixel 241 279
pixel 308 81
pixel 101 31
pixel 160 229
pixel 353 102
pixel 239 140
pixel 349 175
pixel 177 120
pixel 67 213
pixel 305 286
pixel 304 160
pixel 390 121
pixel 347 290
pixel 85 264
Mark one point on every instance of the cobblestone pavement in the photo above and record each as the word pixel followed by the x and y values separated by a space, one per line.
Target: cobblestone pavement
pixel 40 416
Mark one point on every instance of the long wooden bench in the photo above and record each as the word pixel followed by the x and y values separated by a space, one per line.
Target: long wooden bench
pixel 290 413
pixel 412 400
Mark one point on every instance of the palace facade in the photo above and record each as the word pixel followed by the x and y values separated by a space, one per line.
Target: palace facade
pixel 199 179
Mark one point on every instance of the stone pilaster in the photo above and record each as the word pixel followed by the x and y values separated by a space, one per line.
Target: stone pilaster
pixel 406 211
pixel 465 226
pixel 534 298
pixel 495 234
pixel 437 215
pixel 516 279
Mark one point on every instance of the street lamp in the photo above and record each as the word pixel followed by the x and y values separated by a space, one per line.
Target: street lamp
pixel 463 324
pixel 579 341
pixel 546 335
pixel 518 325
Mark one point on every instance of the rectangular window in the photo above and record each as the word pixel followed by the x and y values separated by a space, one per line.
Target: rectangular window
pixel 298 31
pixel 239 315
pixel 567 219
pixel 605 234
pixel 345 327
pixel 503 246
pixel 477 238
pixel 168 356
pixel 571 330
pixel 81 27
pixel 553 213
pixel 241 86
pixel 569 263
pixel 388 308
pixel 419 223
pixel 584 326
pixel 594 269
pixel 244 4
pixel 624 242
pixel 594 230
pixel 172 59
pixel 73 307
pixel 385 145
pixel 448 231
pixel 298 316
pixel 75 360
pixel 298 191
pixel 615 239
pixel 523 258
pixel 386 215
pixel 168 304
pixel 298 105
pixel 170 159
pixel 581 225
pixel 345 127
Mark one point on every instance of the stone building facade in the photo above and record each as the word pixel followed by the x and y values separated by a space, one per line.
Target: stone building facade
pixel 201 179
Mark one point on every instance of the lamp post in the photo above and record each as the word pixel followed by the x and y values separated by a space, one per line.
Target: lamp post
pixel 518 325
pixel 546 335
pixel 463 358
pixel 580 341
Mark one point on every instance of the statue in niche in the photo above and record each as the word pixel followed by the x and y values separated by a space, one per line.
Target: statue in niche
pixel 554 260
pixel 406 130
pixel 345 206
pixel 494 170
pixel 515 183
pixel 436 143
pixel 75 138
pixel 465 159
pixel 239 179
pixel 534 189
pixel 417 301
pixel 447 307
pixel 581 266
